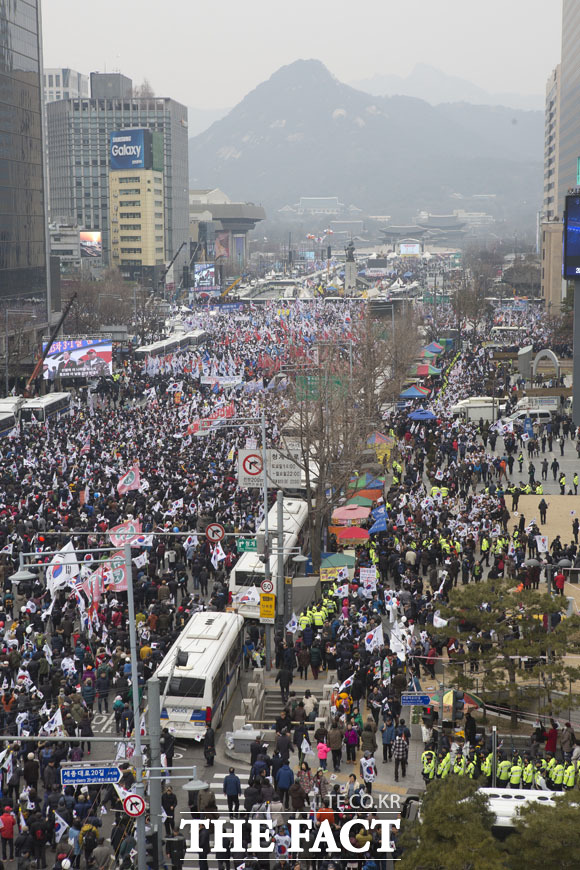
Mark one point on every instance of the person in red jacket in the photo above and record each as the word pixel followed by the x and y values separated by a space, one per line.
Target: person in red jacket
pixel 552 738
pixel 8 820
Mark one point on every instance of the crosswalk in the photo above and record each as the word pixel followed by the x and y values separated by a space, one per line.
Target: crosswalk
pixel 216 784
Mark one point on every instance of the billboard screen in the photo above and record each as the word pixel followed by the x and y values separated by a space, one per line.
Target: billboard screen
pixel 91 244
pixel 204 275
pixel 127 149
pixel 571 258
pixel 408 250
pixel 78 358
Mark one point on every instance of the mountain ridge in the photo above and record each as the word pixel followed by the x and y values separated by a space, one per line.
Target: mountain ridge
pixel 302 130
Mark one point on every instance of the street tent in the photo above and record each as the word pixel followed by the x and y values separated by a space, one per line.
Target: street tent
pixel 378 438
pixel 360 500
pixel 374 494
pixel 350 513
pixel 427 354
pixel 435 347
pixel 366 481
pixel 423 370
pixel 414 392
pixel 354 534
pixel 338 560
pixel 422 414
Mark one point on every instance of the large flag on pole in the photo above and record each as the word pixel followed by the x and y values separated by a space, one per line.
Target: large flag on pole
pixel 374 639
pixel 63 569
pixel 130 480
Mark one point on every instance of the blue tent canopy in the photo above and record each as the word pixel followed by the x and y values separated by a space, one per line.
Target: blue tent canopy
pixel 434 347
pixel 414 393
pixel 422 414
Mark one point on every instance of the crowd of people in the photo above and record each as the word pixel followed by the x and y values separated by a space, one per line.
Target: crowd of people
pixel 64 637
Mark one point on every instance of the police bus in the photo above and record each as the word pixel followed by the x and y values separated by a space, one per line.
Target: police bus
pixel 45 407
pixel 249 569
pixel 200 672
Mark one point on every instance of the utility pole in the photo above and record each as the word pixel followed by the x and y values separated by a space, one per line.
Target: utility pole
pixel 281 582
pixel 266 540
pixel 154 727
pixel 137 759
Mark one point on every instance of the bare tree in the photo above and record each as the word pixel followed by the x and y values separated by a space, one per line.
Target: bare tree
pixel 337 403
pixel 100 302
pixel 144 90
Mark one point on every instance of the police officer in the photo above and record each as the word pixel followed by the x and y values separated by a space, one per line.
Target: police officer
pixel 428 765
pixel 515 777
pixel 569 779
pixel 557 777
pixel 527 773
pixel 504 766
pixel 459 765
pixel 444 765
pixel 472 769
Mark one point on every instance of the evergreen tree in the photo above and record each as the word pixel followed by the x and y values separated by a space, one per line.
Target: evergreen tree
pixel 523 638
pixel 453 831
pixel 546 836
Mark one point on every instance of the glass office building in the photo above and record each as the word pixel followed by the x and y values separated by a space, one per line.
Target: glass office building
pixel 569 132
pixel 23 250
pixel 78 132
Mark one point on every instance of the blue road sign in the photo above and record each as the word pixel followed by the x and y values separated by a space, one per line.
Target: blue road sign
pixel 88 775
pixel 415 699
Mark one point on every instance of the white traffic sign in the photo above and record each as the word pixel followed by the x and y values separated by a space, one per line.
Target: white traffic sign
pixel 283 471
pixel 267 586
pixel 134 805
pixel 214 533
pixel 250 467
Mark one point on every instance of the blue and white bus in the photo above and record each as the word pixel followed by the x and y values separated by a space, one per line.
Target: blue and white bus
pixel 200 673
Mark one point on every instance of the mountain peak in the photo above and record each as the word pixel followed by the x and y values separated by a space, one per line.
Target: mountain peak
pixel 302 72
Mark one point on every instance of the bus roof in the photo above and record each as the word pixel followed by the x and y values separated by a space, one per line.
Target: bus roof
pixel 198 641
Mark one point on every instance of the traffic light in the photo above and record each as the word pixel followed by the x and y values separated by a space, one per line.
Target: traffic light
pixel 329 252
pixel 260 543
pixel 458 704
pixel 152 850
pixel 430 716
pixel 185 283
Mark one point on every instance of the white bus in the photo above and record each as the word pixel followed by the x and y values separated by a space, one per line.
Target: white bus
pixel 45 407
pixel 200 672
pixel 8 423
pixel 249 569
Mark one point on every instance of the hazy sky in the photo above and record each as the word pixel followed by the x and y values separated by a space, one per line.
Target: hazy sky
pixel 210 54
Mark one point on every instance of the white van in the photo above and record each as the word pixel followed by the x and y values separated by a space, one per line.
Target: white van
pixel 536 415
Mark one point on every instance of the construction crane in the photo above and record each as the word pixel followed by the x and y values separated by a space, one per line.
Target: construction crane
pixel 225 292
pixel 168 267
pixel 28 392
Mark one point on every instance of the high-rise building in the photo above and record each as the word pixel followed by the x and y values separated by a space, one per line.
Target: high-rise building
pixel 551 146
pixel 24 276
pixel 136 203
pixel 61 83
pixel 569 153
pixel 79 133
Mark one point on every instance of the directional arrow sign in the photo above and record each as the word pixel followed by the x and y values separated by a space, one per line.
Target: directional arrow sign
pixel 88 775
pixel 214 532
pixel 415 699
pixel 250 468
pixel 134 805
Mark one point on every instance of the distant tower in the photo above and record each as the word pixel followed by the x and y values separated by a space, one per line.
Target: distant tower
pixel 350 270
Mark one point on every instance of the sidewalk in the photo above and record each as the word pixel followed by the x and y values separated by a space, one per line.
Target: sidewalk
pixel 385 782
